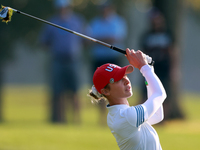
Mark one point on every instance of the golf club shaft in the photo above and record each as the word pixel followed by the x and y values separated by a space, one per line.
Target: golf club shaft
pixel 74 32
pixel 149 59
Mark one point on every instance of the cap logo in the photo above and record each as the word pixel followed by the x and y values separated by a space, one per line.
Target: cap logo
pixel 112 80
pixel 110 68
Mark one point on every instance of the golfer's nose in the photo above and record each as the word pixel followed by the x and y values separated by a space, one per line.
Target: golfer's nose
pixel 126 80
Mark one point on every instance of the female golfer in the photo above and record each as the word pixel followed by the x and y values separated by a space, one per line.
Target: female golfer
pixel 130 125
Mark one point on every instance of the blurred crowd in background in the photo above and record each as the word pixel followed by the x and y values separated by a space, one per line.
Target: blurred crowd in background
pixel 71 57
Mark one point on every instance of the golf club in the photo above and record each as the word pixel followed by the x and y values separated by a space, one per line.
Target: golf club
pixel 7 12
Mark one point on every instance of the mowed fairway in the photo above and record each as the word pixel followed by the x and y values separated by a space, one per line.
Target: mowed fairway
pixel 26 125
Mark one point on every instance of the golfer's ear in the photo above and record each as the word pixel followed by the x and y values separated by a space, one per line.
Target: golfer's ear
pixel 105 92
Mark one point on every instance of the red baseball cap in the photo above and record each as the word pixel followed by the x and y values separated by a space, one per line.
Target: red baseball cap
pixel 109 73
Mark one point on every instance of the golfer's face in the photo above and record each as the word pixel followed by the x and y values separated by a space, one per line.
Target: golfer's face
pixel 121 88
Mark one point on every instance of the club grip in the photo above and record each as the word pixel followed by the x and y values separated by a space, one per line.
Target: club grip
pixel 118 49
pixel 149 59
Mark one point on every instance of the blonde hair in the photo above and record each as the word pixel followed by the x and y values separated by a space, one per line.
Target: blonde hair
pixel 95 96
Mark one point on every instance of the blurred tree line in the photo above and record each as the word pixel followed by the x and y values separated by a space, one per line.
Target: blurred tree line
pixel 22 27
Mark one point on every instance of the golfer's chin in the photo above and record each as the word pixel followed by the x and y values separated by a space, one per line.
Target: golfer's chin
pixel 129 94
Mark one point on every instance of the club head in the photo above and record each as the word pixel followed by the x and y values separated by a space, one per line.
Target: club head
pixel 4 13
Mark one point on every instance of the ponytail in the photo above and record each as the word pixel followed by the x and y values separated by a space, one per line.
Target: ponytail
pixel 95 95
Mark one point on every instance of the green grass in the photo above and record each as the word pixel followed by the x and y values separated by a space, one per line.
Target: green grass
pixel 26 126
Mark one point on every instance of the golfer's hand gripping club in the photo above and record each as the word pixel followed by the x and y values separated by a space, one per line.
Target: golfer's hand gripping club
pixel 148 58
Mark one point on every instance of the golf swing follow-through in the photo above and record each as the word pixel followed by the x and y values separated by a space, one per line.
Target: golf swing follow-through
pixel 130 125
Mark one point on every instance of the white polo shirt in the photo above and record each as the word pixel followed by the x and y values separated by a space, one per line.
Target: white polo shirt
pixel 130 129
pixel 131 126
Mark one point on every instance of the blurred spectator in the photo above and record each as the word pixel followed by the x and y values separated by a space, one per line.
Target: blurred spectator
pixel 65 49
pixel 158 43
pixel 110 28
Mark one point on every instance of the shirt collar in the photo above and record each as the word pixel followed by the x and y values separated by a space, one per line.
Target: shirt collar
pixel 115 108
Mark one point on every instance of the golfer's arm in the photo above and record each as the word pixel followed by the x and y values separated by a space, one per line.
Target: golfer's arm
pixel 159 115
pixel 156 95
